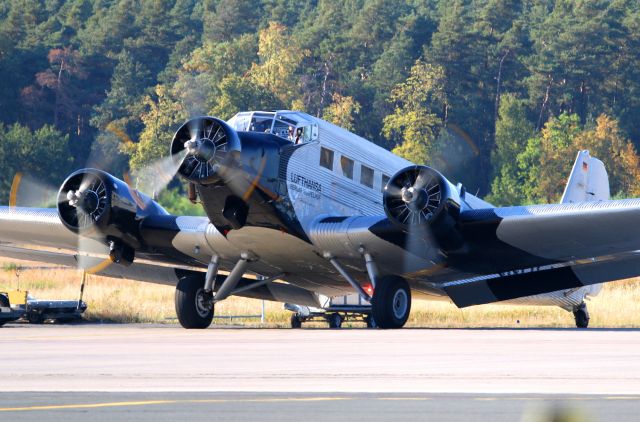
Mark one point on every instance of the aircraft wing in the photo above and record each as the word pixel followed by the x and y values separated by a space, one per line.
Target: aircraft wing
pixel 504 237
pixel 523 251
pixel 176 246
pixel 506 253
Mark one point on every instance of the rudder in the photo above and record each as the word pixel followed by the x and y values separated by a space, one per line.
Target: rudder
pixel 588 181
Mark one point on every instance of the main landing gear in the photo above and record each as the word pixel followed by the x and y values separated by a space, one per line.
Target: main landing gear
pixel 581 315
pixel 194 293
pixel 194 306
pixel 391 302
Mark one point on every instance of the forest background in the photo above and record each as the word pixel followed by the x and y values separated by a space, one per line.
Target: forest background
pixel 497 94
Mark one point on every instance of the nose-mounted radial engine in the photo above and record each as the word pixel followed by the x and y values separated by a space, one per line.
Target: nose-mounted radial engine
pixel 95 204
pixel 212 148
pixel 224 167
pixel 421 197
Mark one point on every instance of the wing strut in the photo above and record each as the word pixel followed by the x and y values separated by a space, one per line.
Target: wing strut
pixel 372 268
pixel 233 278
pixel 212 273
pixel 347 277
pixel 260 282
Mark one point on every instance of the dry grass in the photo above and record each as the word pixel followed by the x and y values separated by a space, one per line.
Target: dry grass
pixel 618 305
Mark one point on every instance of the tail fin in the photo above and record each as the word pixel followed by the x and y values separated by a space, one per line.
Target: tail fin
pixel 587 182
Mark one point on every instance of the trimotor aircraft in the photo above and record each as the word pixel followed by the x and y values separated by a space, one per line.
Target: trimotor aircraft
pixel 299 210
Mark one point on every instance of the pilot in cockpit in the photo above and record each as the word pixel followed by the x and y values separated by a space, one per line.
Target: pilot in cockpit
pixel 290 134
pixel 298 139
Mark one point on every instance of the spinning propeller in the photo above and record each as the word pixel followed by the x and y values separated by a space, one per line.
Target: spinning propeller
pixel 414 196
pixel 85 198
pixel 424 204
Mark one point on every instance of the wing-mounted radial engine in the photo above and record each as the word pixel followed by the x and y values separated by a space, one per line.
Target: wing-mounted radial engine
pixel 424 203
pixel 234 173
pixel 95 204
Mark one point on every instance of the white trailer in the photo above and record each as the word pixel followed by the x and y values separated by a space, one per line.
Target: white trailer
pixel 337 310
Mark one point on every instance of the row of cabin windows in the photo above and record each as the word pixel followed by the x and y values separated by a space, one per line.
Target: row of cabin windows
pixel 347 165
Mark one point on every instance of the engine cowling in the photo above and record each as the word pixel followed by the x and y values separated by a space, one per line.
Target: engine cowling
pixel 209 147
pixel 95 204
pixel 421 196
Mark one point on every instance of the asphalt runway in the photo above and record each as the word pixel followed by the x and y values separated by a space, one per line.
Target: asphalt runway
pixel 56 372
pixel 314 407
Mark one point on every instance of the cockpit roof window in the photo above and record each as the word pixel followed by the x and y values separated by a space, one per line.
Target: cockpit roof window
pixel 277 123
pixel 287 120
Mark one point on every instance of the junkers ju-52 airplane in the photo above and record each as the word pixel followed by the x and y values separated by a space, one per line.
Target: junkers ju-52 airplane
pixel 298 210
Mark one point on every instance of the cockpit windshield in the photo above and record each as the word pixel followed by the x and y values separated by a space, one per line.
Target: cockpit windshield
pixel 293 126
pixel 261 123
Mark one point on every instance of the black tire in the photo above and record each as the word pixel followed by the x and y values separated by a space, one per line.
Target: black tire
pixel 334 320
pixel 35 317
pixel 68 320
pixel 296 322
pixel 190 300
pixel 391 302
pixel 371 322
pixel 581 314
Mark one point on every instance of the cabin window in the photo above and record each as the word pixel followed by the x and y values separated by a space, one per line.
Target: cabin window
pixel 366 176
pixel 385 180
pixel 347 167
pixel 326 158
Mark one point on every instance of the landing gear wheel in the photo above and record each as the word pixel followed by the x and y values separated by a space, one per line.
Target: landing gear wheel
pixel 194 307
pixel 296 322
pixel 35 317
pixel 391 302
pixel 335 320
pixel 581 315
pixel 371 323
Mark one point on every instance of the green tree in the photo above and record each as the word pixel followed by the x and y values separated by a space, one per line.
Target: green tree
pixel 279 58
pixel 107 28
pixel 546 161
pixel 606 142
pixel 176 202
pixel 199 82
pixel 42 155
pixel 513 130
pixel 161 118
pixel 413 126
pixel 548 158
pixel 341 111
pixel 224 20
pixel 239 93
pixel 581 59
pixel 129 81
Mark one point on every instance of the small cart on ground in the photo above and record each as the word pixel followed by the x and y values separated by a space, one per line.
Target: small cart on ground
pixel 18 304
pixel 338 310
pixel 7 312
